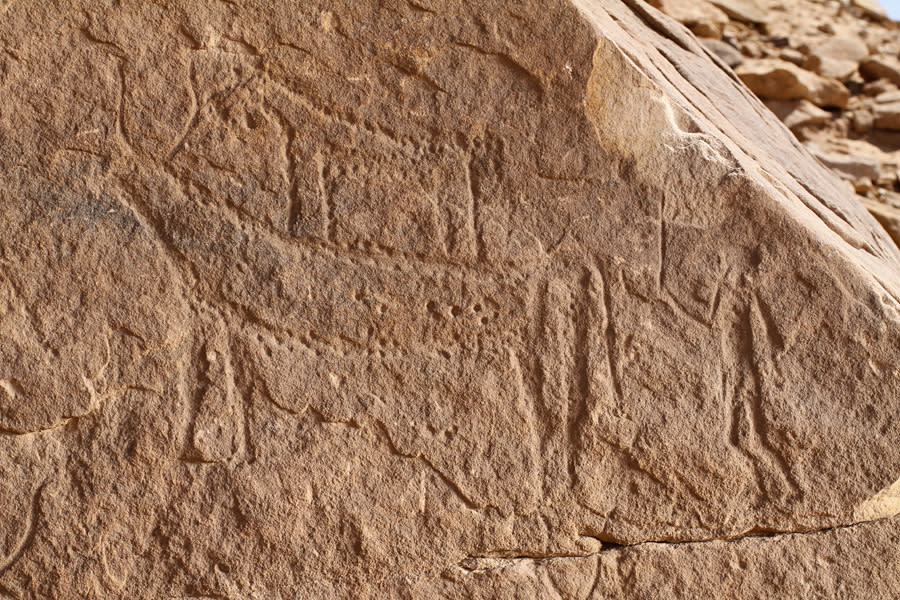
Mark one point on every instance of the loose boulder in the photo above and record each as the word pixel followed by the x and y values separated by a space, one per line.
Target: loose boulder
pixel 775 79
pixel 730 55
pixel 749 11
pixel 881 67
pixel 871 8
pixel 701 17
pixel 837 58
pixel 798 113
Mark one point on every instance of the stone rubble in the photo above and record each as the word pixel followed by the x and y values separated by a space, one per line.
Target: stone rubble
pixel 842 56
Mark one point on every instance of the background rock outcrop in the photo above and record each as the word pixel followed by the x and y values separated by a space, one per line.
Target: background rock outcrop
pixel 852 47
pixel 428 299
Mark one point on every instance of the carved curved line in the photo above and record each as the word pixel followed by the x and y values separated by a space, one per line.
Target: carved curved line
pixel 117 584
pixel 28 536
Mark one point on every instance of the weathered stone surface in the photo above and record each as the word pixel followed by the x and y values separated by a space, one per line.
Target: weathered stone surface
pixel 793 56
pixel 848 166
pixel 830 564
pixel 881 67
pixel 730 55
pixel 701 17
pixel 878 87
pixel 831 38
pixel 863 120
pixel 872 8
pixel 837 58
pixel 842 48
pixel 775 79
pixel 743 10
pixel 887 116
pixel 886 110
pixel 887 214
pixel 798 113
pixel 306 300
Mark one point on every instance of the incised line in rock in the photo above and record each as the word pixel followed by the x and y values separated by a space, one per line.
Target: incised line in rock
pixel 31 520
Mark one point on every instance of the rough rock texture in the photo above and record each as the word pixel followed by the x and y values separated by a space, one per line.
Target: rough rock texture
pixel 701 17
pixel 743 10
pixel 775 79
pixel 881 67
pixel 847 563
pixel 726 52
pixel 798 113
pixel 848 167
pixel 376 299
pixel 886 114
pixel 837 58
pixel 872 8
pixel 847 41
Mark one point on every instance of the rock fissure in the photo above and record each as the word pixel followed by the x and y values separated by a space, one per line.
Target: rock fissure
pixel 491 562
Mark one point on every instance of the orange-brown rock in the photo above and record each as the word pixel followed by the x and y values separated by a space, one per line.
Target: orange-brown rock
pixel 881 67
pixel 837 58
pixel 743 10
pixel 461 299
pixel 701 17
pixel 831 564
pixel 775 79
pixel 871 7
pixel 798 113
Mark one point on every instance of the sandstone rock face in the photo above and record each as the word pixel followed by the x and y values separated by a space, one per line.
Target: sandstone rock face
pixel 850 167
pixel 872 8
pixel 837 58
pixel 798 113
pixel 887 111
pixel 775 79
pixel 840 41
pixel 373 300
pixel 833 564
pixel 701 17
pixel 726 52
pixel 842 48
pixel 881 67
pixel 743 10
